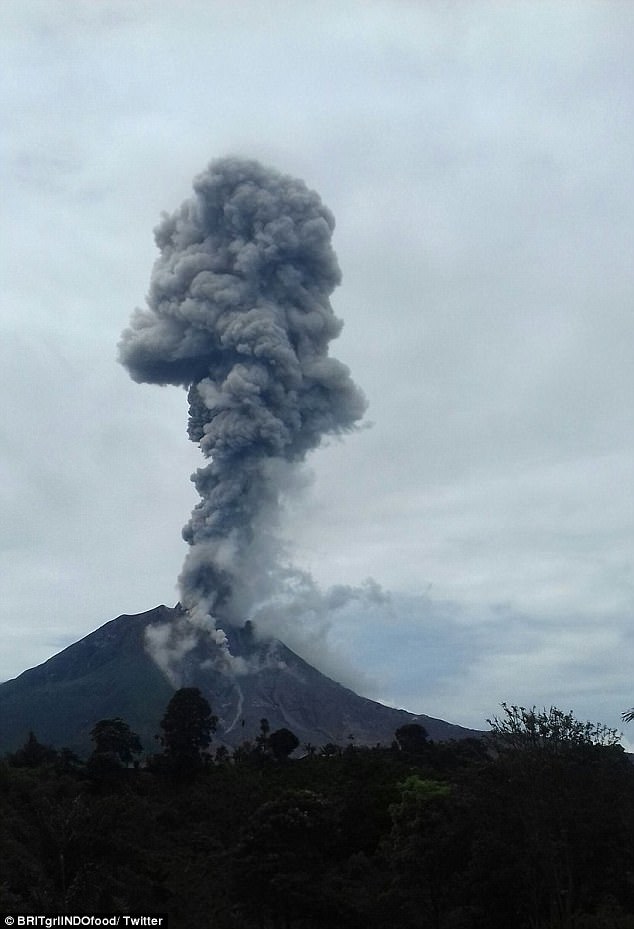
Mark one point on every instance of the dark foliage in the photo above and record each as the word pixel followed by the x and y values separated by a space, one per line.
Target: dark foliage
pixel 411 738
pixel 114 738
pixel 532 828
pixel 187 727
pixel 32 754
pixel 282 743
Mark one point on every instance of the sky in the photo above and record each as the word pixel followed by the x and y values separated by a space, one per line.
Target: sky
pixel 478 158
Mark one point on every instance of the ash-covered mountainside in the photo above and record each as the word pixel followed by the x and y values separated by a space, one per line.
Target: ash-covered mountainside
pixel 110 673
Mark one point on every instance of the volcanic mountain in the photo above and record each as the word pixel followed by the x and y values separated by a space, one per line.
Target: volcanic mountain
pixel 110 673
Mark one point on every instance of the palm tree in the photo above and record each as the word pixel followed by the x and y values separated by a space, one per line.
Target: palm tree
pixel 628 716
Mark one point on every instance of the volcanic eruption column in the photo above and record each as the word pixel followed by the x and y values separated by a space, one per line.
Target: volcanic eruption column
pixel 238 312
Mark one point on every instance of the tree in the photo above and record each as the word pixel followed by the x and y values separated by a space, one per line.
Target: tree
pixel 32 754
pixel 426 850
pixel 282 742
pixel 562 786
pixel 547 731
pixel 114 738
pixel 411 738
pixel 262 740
pixel 279 864
pixel 187 727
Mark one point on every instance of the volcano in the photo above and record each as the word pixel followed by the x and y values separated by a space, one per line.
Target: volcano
pixel 110 673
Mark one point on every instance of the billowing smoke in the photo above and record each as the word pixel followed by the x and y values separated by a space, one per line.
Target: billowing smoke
pixel 238 313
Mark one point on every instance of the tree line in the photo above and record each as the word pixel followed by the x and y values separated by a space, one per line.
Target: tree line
pixel 531 826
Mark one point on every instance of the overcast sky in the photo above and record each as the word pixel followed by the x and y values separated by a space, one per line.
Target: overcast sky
pixel 479 160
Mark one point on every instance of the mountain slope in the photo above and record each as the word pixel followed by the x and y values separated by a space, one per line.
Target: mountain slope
pixel 110 673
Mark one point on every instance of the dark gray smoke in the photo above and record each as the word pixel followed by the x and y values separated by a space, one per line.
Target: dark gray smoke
pixel 238 313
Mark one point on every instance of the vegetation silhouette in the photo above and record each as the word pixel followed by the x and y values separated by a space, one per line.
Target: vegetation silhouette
pixel 531 826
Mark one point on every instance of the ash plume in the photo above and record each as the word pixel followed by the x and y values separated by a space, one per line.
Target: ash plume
pixel 239 314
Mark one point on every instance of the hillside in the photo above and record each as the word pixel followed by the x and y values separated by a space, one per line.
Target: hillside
pixel 110 673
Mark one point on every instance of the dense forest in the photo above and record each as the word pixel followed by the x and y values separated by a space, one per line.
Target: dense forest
pixel 531 826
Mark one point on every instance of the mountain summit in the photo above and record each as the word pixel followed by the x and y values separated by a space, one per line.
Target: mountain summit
pixel 110 673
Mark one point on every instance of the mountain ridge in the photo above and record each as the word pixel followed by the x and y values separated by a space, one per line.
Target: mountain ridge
pixel 110 673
